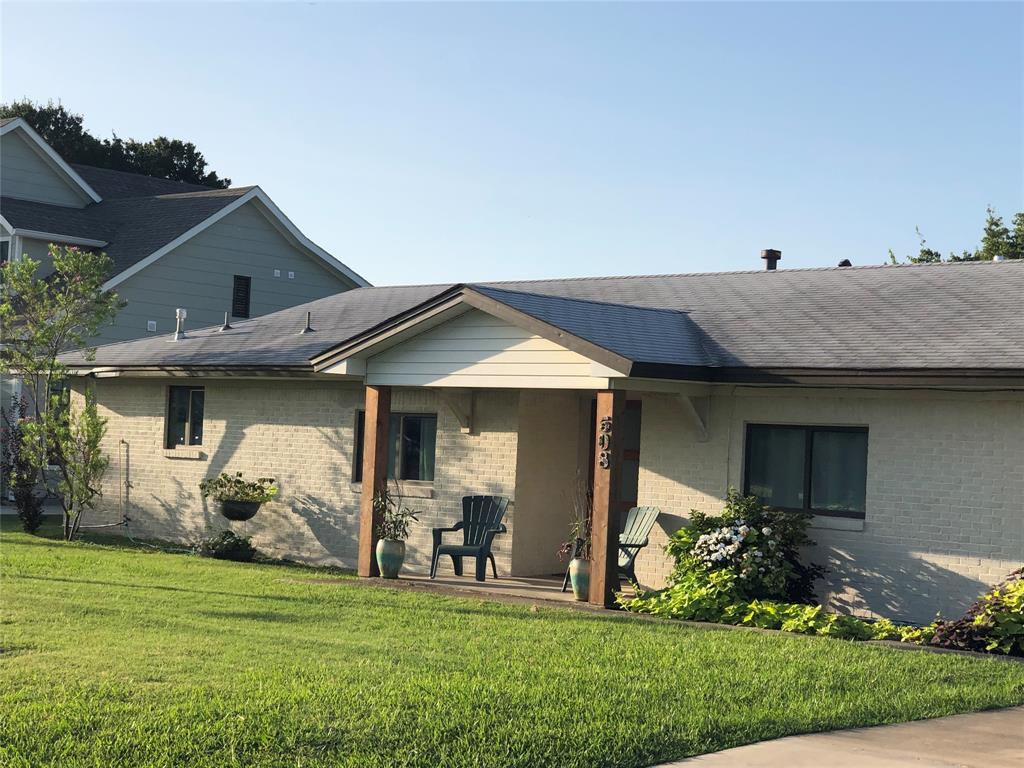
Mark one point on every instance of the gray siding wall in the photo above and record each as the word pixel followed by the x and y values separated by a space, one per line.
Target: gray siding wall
pixel 27 176
pixel 38 250
pixel 198 275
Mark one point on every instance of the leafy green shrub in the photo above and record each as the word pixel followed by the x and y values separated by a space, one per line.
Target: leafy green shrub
pixel 227 487
pixel 994 623
pixel 713 596
pixel 227 545
pixel 733 568
pixel 696 596
pixel 761 546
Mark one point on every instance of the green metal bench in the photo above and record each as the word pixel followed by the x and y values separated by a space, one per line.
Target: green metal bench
pixel 481 522
pixel 636 532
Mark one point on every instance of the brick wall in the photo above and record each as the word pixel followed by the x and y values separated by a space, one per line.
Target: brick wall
pixel 945 490
pixel 302 434
pixel 945 486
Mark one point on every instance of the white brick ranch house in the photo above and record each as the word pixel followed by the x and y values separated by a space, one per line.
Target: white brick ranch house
pixel 886 402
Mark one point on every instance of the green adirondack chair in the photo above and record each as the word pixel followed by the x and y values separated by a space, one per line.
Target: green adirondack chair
pixel 635 535
pixel 481 522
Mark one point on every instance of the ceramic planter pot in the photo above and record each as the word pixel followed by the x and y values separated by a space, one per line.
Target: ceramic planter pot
pixel 238 510
pixel 579 575
pixel 390 556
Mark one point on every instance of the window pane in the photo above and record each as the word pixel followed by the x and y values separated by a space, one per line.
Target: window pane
pixel 418 437
pixel 839 468
pixel 198 397
pixel 775 468
pixel 177 415
pixel 357 454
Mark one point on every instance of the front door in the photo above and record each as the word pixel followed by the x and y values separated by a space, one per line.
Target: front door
pixel 629 478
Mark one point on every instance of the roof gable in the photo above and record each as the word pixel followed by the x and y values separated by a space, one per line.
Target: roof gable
pixel 32 170
pixel 158 225
pixel 473 348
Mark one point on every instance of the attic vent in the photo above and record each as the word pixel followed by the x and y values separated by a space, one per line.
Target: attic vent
pixel 771 258
pixel 309 324
pixel 179 323
pixel 240 296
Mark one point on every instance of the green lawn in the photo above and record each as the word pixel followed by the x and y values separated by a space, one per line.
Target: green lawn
pixel 115 656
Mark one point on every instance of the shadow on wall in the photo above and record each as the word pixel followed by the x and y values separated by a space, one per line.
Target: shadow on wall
pixel 894 582
pixel 335 529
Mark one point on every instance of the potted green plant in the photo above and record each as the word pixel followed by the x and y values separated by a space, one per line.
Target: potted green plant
pixel 578 546
pixel 392 531
pixel 237 498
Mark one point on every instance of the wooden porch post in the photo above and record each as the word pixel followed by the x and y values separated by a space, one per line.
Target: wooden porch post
pixel 375 473
pixel 604 566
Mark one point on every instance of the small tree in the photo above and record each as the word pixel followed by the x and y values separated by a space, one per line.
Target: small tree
pixel 74 436
pixel 42 316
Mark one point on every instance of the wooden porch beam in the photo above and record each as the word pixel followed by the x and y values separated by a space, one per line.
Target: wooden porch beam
pixel 604 566
pixel 375 473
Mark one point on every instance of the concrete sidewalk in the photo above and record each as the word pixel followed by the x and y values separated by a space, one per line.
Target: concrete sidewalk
pixel 992 739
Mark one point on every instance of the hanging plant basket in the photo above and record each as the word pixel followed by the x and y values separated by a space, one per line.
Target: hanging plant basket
pixel 238 510
pixel 237 498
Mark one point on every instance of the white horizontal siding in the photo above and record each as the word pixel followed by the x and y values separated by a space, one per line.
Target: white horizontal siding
pixel 478 350
pixel 27 176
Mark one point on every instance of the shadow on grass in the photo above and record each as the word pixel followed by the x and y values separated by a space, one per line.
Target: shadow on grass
pixel 420 604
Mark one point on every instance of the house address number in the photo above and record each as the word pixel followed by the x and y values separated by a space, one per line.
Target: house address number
pixel 604 443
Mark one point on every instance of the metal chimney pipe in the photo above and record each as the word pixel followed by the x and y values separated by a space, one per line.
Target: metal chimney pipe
pixel 771 258
pixel 308 328
pixel 179 327
pixel 227 325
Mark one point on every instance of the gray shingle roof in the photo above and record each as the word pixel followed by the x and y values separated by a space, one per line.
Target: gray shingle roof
pixel 134 227
pixel 111 184
pixel 645 334
pixel 919 317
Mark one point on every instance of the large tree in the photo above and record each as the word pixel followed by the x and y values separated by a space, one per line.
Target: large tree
pixel 161 157
pixel 997 241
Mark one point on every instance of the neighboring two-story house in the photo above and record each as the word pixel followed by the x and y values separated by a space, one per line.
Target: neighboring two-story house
pixel 173 244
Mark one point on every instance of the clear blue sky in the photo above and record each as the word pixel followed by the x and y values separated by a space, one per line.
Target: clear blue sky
pixel 465 142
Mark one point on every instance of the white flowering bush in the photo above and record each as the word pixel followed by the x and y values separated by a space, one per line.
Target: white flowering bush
pixel 758 545
pixel 752 554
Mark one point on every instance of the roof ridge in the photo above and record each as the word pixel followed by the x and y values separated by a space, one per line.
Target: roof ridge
pixel 489 286
pixel 200 192
pixel 761 271
pixel 138 173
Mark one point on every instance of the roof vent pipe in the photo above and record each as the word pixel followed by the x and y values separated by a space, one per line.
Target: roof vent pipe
pixel 227 325
pixel 771 258
pixel 308 328
pixel 998 257
pixel 179 327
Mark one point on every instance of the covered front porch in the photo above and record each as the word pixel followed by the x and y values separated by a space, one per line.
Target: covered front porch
pixel 572 425
pixel 568 442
